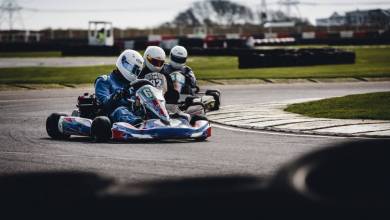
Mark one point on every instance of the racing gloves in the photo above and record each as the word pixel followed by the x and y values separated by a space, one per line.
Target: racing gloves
pixel 118 95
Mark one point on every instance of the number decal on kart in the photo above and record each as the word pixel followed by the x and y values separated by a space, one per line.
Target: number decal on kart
pixel 148 93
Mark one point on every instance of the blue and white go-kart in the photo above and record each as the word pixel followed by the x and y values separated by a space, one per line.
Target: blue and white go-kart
pixel 158 124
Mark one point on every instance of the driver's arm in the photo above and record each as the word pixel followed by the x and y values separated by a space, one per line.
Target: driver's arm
pixel 104 95
pixel 191 76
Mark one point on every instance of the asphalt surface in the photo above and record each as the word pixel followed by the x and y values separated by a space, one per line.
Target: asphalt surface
pixel 25 146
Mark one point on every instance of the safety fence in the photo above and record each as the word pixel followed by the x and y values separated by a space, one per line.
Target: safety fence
pixel 294 57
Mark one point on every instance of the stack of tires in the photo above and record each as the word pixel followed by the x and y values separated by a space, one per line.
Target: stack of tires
pixel 294 57
pixel 90 51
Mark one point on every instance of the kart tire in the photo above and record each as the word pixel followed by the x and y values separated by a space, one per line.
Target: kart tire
pixel 75 113
pixel 52 127
pixel 196 118
pixel 101 129
pixel 189 101
pixel 197 89
pixel 216 94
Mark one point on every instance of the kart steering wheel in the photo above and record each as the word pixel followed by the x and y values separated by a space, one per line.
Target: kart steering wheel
pixel 139 83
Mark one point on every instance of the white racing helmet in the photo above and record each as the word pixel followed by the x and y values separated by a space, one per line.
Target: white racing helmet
pixel 154 58
pixel 178 57
pixel 130 64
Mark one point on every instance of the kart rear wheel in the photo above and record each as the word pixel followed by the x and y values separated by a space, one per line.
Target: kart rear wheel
pixel 101 129
pixel 217 97
pixel 52 126
pixel 196 118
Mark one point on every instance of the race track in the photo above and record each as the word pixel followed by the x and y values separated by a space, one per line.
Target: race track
pixel 26 147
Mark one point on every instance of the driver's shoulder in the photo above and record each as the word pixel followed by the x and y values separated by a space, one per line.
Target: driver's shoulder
pixel 166 69
pixel 103 79
pixel 187 69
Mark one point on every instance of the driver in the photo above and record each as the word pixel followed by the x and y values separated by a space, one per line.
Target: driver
pixel 154 72
pixel 112 90
pixel 154 61
pixel 177 62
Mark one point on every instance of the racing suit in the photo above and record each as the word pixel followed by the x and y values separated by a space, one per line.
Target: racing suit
pixel 190 82
pixel 170 95
pixel 161 81
pixel 108 90
pixel 144 72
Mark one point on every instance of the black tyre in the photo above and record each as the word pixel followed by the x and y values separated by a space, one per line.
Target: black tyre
pixel 217 97
pixel 52 127
pixel 196 118
pixel 101 129
pixel 189 101
pixel 197 89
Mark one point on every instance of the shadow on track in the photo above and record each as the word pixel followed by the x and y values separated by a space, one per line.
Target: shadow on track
pixel 88 140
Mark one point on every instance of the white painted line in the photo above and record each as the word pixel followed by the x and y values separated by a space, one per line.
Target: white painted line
pixel 280 133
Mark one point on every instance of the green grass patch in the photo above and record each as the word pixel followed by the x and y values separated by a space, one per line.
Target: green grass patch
pixel 42 75
pixel 363 106
pixel 31 54
pixel 371 62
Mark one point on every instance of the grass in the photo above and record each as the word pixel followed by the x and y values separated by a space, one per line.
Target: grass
pixel 371 62
pixel 363 106
pixel 30 54
pixel 43 75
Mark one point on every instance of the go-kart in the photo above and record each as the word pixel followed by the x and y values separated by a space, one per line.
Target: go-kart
pixel 192 100
pixel 90 120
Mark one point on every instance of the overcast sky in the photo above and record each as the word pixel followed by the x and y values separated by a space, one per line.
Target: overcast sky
pixel 150 13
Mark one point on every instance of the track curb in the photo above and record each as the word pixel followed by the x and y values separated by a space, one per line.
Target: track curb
pixel 272 117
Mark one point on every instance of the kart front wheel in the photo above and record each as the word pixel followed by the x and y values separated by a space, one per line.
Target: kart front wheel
pixel 216 94
pixel 101 129
pixel 52 128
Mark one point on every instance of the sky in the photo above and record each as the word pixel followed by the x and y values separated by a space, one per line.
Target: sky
pixel 150 13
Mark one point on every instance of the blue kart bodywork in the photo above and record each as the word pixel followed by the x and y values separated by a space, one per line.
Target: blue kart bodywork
pixel 158 124
pixel 149 130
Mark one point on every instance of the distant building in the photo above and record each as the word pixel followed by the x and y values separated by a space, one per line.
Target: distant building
pixel 372 18
pixel 334 20
pixel 377 17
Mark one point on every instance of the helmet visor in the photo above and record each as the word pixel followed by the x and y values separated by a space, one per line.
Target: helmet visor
pixel 134 69
pixel 155 62
pixel 180 60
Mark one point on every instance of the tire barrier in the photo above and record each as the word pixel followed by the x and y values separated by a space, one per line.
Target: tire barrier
pixel 53 45
pixel 90 51
pixel 191 42
pixel 217 51
pixel 218 43
pixel 345 181
pixel 236 43
pixel 24 47
pixel 294 57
